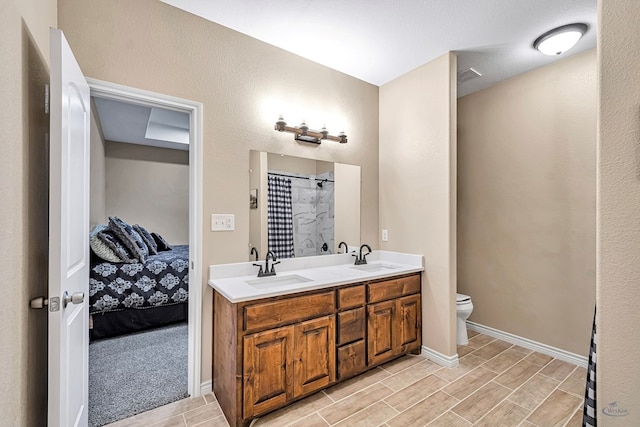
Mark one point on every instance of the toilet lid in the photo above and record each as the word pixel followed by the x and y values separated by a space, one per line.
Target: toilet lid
pixel 462 299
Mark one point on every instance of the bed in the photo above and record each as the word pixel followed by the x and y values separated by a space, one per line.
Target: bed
pixel 130 297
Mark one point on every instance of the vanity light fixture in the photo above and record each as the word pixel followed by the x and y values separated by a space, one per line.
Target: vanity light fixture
pixel 561 39
pixel 304 134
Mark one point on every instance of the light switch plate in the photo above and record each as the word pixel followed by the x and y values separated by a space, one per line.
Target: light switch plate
pixel 223 222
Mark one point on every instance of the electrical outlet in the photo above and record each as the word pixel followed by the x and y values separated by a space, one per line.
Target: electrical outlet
pixel 385 235
pixel 223 222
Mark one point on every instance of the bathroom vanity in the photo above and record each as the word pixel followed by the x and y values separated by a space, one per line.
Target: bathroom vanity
pixel 319 321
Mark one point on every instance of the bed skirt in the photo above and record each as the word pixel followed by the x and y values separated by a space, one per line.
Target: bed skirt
pixel 115 323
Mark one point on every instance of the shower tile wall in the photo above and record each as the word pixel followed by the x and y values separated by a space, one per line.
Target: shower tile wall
pixel 313 215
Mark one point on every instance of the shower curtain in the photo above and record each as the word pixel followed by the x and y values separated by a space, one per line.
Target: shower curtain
pixel 279 217
pixel 589 412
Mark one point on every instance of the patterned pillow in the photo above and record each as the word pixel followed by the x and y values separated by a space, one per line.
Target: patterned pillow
pixel 162 244
pixel 109 239
pixel 129 237
pixel 99 247
pixel 148 240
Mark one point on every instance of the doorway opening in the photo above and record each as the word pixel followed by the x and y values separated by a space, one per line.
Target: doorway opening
pixel 153 182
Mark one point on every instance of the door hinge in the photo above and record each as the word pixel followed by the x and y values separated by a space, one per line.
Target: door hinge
pixel 46 99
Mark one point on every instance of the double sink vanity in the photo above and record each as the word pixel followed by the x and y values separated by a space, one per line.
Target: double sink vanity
pixel 318 321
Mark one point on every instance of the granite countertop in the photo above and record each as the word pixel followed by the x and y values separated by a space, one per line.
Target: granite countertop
pixel 239 282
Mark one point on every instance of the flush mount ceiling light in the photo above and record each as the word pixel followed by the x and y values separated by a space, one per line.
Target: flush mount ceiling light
pixel 304 134
pixel 560 40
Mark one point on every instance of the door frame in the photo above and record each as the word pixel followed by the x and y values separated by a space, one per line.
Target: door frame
pixel 116 92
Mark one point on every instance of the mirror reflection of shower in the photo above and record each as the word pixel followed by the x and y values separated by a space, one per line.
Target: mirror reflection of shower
pixel 312 212
pixel 334 184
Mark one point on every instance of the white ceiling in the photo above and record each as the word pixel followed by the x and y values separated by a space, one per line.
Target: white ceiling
pixel 379 40
pixel 138 124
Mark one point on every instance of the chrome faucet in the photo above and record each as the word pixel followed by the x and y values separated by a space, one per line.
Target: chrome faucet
pixel 362 258
pixel 267 271
pixel 346 247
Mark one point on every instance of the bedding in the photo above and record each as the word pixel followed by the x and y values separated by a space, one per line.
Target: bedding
pixel 152 246
pixel 114 323
pixel 162 244
pixel 162 280
pixel 101 248
pixel 129 237
pixel 110 240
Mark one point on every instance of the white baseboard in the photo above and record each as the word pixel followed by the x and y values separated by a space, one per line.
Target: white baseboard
pixel 206 387
pixel 439 358
pixel 558 353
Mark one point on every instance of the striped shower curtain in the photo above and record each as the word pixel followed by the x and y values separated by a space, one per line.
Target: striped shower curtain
pixel 279 217
pixel 589 415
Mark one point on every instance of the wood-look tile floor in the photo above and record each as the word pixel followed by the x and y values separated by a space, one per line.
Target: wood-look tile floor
pixel 496 384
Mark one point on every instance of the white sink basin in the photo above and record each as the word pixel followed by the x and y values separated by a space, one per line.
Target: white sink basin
pixel 374 267
pixel 275 281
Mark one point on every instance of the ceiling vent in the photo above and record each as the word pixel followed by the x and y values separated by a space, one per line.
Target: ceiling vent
pixel 468 74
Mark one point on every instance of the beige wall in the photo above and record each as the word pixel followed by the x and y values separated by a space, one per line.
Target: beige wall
pixel 276 162
pixel 324 167
pixel 149 186
pixel 526 203
pixel 243 84
pixel 97 211
pixel 618 240
pixel 418 186
pixel 24 70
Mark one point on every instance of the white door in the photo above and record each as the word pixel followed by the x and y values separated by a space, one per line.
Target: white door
pixel 68 239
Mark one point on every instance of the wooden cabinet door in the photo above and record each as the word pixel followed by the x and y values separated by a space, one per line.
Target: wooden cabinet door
pixel 351 359
pixel 381 339
pixel 315 355
pixel 408 323
pixel 268 370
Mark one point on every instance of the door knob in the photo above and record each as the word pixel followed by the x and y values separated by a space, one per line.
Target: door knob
pixel 75 298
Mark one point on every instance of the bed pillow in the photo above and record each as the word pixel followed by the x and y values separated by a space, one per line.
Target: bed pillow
pixel 162 244
pixel 109 239
pixel 129 237
pixel 148 240
pixel 100 248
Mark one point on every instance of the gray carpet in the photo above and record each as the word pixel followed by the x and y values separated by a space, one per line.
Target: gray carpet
pixel 134 373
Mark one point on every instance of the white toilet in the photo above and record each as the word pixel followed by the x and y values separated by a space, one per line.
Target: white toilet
pixel 464 307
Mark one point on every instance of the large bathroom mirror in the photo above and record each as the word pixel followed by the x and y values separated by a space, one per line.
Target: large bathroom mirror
pixel 302 207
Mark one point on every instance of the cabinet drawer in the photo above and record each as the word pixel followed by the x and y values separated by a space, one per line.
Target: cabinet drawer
pixel 395 288
pixel 288 310
pixel 351 359
pixel 351 325
pixel 351 297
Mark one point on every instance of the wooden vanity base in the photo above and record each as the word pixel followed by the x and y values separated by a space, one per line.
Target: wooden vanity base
pixel 270 352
